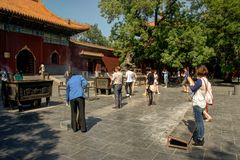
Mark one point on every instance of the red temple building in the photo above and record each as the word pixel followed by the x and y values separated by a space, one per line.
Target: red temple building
pixel 31 35
pixel 92 58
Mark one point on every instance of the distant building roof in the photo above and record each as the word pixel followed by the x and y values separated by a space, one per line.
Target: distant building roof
pixel 91 45
pixel 152 24
pixel 93 54
pixel 35 10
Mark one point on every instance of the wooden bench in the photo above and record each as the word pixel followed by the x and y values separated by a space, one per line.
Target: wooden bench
pixel 182 134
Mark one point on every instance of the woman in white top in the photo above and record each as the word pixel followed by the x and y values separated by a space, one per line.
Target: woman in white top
pixel 199 102
pixel 156 82
pixel 41 69
pixel 134 81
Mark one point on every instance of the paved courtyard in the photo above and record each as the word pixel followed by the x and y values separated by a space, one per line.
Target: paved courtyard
pixel 134 132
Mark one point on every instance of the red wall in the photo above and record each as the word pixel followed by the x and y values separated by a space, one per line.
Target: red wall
pixel 2 47
pixel 14 42
pixel 109 60
pixel 62 51
pixel 110 63
pixel 76 60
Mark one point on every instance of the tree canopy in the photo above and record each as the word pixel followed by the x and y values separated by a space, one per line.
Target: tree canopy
pixel 223 21
pixel 93 35
pixel 176 33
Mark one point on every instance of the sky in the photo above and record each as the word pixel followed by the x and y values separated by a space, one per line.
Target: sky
pixel 82 11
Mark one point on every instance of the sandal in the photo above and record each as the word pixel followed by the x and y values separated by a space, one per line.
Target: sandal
pixel 208 119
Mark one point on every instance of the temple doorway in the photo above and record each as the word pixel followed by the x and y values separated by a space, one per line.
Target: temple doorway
pixel 25 62
pixel 91 66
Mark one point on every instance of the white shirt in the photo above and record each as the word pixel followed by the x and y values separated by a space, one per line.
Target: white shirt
pixel 129 76
pixel 199 96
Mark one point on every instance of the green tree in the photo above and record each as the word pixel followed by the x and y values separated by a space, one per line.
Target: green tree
pixel 187 47
pixel 223 21
pixel 175 39
pixel 93 35
pixel 129 32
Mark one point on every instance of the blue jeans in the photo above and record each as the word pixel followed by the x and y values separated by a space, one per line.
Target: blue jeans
pixel 198 115
pixel 166 81
pixel 118 95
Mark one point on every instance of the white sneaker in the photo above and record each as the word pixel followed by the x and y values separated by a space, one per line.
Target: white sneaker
pixel 127 95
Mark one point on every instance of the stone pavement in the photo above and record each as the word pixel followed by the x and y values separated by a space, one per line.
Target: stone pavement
pixel 134 132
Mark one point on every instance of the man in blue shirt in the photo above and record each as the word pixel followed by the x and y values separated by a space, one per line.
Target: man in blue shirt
pixel 75 95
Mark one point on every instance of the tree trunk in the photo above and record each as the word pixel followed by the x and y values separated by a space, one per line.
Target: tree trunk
pixel 228 77
pixel 156 16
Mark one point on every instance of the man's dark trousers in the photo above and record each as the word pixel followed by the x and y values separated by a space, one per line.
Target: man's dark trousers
pixel 128 86
pixel 78 114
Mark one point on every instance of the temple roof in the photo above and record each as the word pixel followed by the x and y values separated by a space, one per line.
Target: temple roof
pixel 35 10
pixel 91 45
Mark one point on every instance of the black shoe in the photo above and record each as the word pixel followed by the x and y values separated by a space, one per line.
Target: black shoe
pixel 150 103
pixel 84 131
pixel 20 109
pixel 198 142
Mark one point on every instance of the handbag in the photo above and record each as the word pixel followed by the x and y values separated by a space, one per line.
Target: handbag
pixel 153 88
pixel 208 95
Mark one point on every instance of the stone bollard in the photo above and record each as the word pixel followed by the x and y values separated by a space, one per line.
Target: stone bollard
pixel 236 89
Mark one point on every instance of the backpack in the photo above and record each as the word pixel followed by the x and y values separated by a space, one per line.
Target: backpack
pixel 209 95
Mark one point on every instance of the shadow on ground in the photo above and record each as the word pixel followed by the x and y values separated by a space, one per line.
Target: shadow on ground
pixel 24 136
pixel 92 121
pixel 190 125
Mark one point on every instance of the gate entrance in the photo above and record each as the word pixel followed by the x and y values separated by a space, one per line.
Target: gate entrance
pixel 25 62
